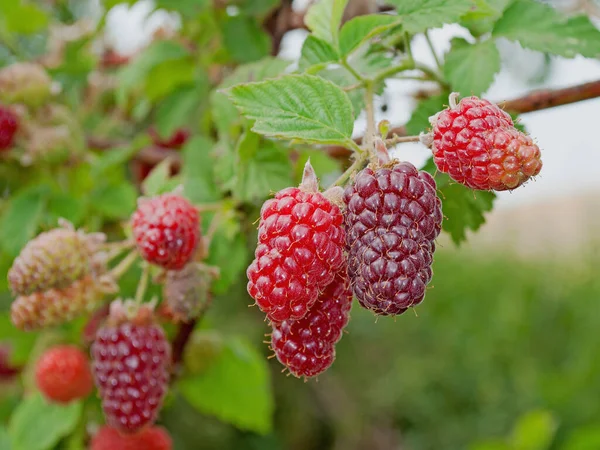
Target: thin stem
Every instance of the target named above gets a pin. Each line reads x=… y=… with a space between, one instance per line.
x=143 y=284
x=114 y=249
x=351 y=69
x=369 y=97
x=353 y=87
x=433 y=52
x=407 y=47
x=400 y=139
x=357 y=165
x=432 y=73
x=118 y=271
x=208 y=207
x=407 y=64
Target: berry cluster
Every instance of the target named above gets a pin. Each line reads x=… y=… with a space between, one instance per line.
x=477 y=144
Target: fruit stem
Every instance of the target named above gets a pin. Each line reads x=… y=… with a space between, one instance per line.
x=143 y=284
x=351 y=69
x=118 y=271
x=358 y=164
x=114 y=249
x=432 y=49
x=369 y=97
x=395 y=139
x=208 y=207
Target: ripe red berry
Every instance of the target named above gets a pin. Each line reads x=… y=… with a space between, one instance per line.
x=300 y=248
x=393 y=216
x=63 y=374
x=476 y=143
x=151 y=438
x=307 y=346
x=175 y=141
x=9 y=124
x=130 y=361
x=166 y=229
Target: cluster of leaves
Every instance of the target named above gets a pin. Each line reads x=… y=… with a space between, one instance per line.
x=198 y=79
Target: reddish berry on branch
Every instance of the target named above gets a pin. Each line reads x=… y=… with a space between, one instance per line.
x=63 y=374
x=151 y=438
x=166 y=229
x=393 y=216
x=130 y=360
x=55 y=259
x=476 y=143
x=300 y=248
x=307 y=346
x=9 y=124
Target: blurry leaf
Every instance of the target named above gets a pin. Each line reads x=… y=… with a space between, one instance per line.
x=267 y=169
x=38 y=425
x=158 y=180
x=197 y=170
x=115 y=201
x=134 y=74
x=419 y=15
x=302 y=107
x=19 y=16
x=257 y=7
x=245 y=40
x=176 y=110
x=358 y=30
x=235 y=388
x=166 y=77
x=324 y=19
x=471 y=68
x=419 y=120
x=534 y=431
x=187 y=8
x=462 y=207
x=4 y=438
x=540 y=27
x=66 y=206
x=230 y=254
x=21 y=342
x=247 y=146
x=316 y=51
x=490 y=445
x=256 y=71
x=583 y=438
x=20 y=221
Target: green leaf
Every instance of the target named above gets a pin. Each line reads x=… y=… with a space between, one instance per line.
x=21 y=219
x=257 y=7
x=230 y=254
x=342 y=78
x=235 y=388
x=316 y=51
x=197 y=170
x=583 y=438
x=261 y=169
x=358 y=30
x=165 y=78
x=462 y=207
x=21 y=342
x=324 y=19
x=482 y=17
x=175 y=111
x=158 y=180
x=540 y=27
x=419 y=120
x=490 y=445
x=4 y=439
x=245 y=40
x=39 y=425
x=471 y=68
x=256 y=71
x=66 y=206
x=534 y=431
x=302 y=107
x=187 y=8
x=115 y=201
x=419 y=15
x=22 y=17
x=134 y=74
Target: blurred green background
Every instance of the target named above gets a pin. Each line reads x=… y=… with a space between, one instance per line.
x=503 y=354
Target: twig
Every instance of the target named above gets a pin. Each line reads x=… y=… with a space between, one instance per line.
x=143 y=284
x=433 y=52
x=395 y=139
x=118 y=271
x=357 y=165
x=369 y=98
